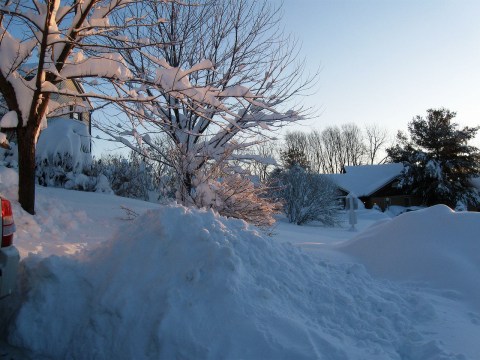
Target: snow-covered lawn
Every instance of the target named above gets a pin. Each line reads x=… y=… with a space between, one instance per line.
x=178 y=283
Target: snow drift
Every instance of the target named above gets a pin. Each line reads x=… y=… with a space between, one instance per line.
x=435 y=246
x=179 y=283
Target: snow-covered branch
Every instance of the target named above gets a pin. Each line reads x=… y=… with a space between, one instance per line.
x=43 y=44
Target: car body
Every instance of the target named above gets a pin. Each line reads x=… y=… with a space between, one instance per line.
x=9 y=256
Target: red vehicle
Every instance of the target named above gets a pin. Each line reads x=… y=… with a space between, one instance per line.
x=9 y=257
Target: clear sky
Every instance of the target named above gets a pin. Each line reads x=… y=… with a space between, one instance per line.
x=385 y=61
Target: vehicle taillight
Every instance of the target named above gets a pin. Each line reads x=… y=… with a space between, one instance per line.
x=8 y=225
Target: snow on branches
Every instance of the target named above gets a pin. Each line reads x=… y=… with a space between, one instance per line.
x=208 y=82
x=44 y=44
x=217 y=86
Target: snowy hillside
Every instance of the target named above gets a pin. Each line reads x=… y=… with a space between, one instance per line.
x=177 y=283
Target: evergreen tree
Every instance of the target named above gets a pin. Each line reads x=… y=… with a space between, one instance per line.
x=294 y=156
x=439 y=162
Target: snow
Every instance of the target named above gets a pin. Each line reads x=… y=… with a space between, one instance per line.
x=448 y=258
x=13 y=51
x=23 y=90
x=475 y=182
x=363 y=180
x=9 y=120
x=237 y=91
x=175 y=81
x=49 y=87
x=181 y=283
x=108 y=66
x=62 y=137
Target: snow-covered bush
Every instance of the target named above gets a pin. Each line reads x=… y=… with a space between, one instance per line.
x=128 y=177
x=234 y=195
x=460 y=206
x=307 y=196
x=63 y=157
x=9 y=157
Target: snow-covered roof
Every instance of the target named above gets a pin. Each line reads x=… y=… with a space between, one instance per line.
x=364 y=180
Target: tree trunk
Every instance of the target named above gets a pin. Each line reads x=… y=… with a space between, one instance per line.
x=184 y=195
x=26 y=168
x=187 y=182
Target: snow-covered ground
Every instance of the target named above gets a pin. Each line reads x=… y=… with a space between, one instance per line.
x=177 y=283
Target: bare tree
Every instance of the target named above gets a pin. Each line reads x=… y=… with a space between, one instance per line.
x=376 y=138
x=261 y=159
x=334 y=156
x=221 y=109
x=352 y=144
x=45 y=42
x=330 y=150
x=316 y=153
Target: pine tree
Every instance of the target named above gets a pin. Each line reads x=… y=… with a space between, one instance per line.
x=439 y=162
x=294 y=156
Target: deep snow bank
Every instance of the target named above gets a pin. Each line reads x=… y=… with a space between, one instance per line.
x=435 y=245
x=185 y=284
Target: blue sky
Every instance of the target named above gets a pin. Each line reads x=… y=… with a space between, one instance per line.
x=385 y=61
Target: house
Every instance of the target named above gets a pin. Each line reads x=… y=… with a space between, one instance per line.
x=374 y=185
x=66 y=141
x=72 y=107
x=68 y=106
